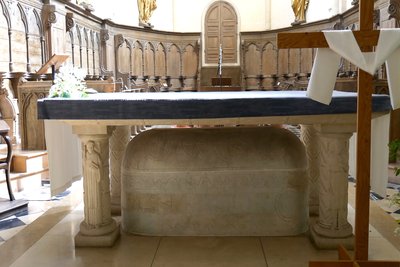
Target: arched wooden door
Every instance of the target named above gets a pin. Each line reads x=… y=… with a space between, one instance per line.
x=220 y=28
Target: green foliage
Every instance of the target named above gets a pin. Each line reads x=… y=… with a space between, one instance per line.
x=394 y=146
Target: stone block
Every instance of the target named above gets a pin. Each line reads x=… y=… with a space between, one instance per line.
x=238 y=181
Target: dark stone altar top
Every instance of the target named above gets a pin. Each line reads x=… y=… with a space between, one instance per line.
x=199 y=105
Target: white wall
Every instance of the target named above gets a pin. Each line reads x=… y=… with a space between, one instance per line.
x=281 y=14
x=187 y=15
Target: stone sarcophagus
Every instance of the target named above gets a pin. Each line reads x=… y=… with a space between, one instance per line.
x=215 y=181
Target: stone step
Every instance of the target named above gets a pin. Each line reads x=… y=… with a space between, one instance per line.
x=25 y=161
x=28 y=170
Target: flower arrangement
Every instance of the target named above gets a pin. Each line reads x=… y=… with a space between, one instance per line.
x=69 y=82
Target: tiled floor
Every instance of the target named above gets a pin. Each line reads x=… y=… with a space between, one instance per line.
x=48 y=241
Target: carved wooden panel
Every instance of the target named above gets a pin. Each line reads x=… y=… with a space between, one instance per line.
x=149 y=60
x=221 y=28
x=269 y=60
x=252 y=60
x=306 y=60
x=31 y=129
x=174 y=67
x=174 y=61
x=294 y=60
x=160 y=64
x=228 y=33
x=123 y=57
x=212 y=34
x=137 y=59
x=283 y=61
x=190 y=61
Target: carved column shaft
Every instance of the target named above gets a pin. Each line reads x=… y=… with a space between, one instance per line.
x=98 y=227
x=332 y=226
x=333 y=185
x=309 y=138
x=118 y=142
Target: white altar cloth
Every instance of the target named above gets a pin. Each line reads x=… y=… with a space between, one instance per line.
x=64 y=153
x=343 y=44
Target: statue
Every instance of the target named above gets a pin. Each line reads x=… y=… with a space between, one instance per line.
x=146 y=8
x=299 y=9
x=92 y=185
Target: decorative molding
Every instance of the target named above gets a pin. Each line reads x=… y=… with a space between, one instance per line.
x=394 y=11
x=118 y=40
x=69 y=21
x=104 y=35
x=49 y=15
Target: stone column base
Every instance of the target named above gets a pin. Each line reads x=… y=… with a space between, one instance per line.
x=324 y=242
x=106 y=240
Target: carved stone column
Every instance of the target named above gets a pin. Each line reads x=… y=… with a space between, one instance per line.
x=98 y=229
x=118 y=142
x=310 y=140
x=332 y=227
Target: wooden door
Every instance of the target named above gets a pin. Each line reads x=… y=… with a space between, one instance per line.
x=220 y=28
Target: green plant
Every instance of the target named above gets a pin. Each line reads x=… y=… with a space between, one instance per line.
x=395 y=200
x=394 y=147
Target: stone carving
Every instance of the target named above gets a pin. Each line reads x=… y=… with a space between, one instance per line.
x=118 y=40
x=118 y=141
x=104 y=35
x=92 y=185
x=98 y=227
x=51 y=18
x=207 y=187
x=394 y=11
x=69 y=21
x=332 y=220
x=309 y=138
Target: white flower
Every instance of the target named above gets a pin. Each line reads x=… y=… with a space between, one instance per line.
x=69 y=82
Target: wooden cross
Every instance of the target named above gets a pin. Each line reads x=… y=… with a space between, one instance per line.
x=366 y=38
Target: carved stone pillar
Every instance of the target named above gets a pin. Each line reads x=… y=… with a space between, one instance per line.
x=332 y=227
x=309 y=138
x=98 y=229
x=118 y=142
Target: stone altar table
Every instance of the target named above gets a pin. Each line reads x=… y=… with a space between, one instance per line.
x=327 y=132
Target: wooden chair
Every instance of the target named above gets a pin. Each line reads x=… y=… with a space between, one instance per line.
x=5 y=163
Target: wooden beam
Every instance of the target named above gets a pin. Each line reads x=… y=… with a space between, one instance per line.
x=317 y=39
x=379 y=263
x=363 y=172
x=343 y=254
x=331 y=264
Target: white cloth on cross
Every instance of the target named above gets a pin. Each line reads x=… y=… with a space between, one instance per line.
x=343 y=44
